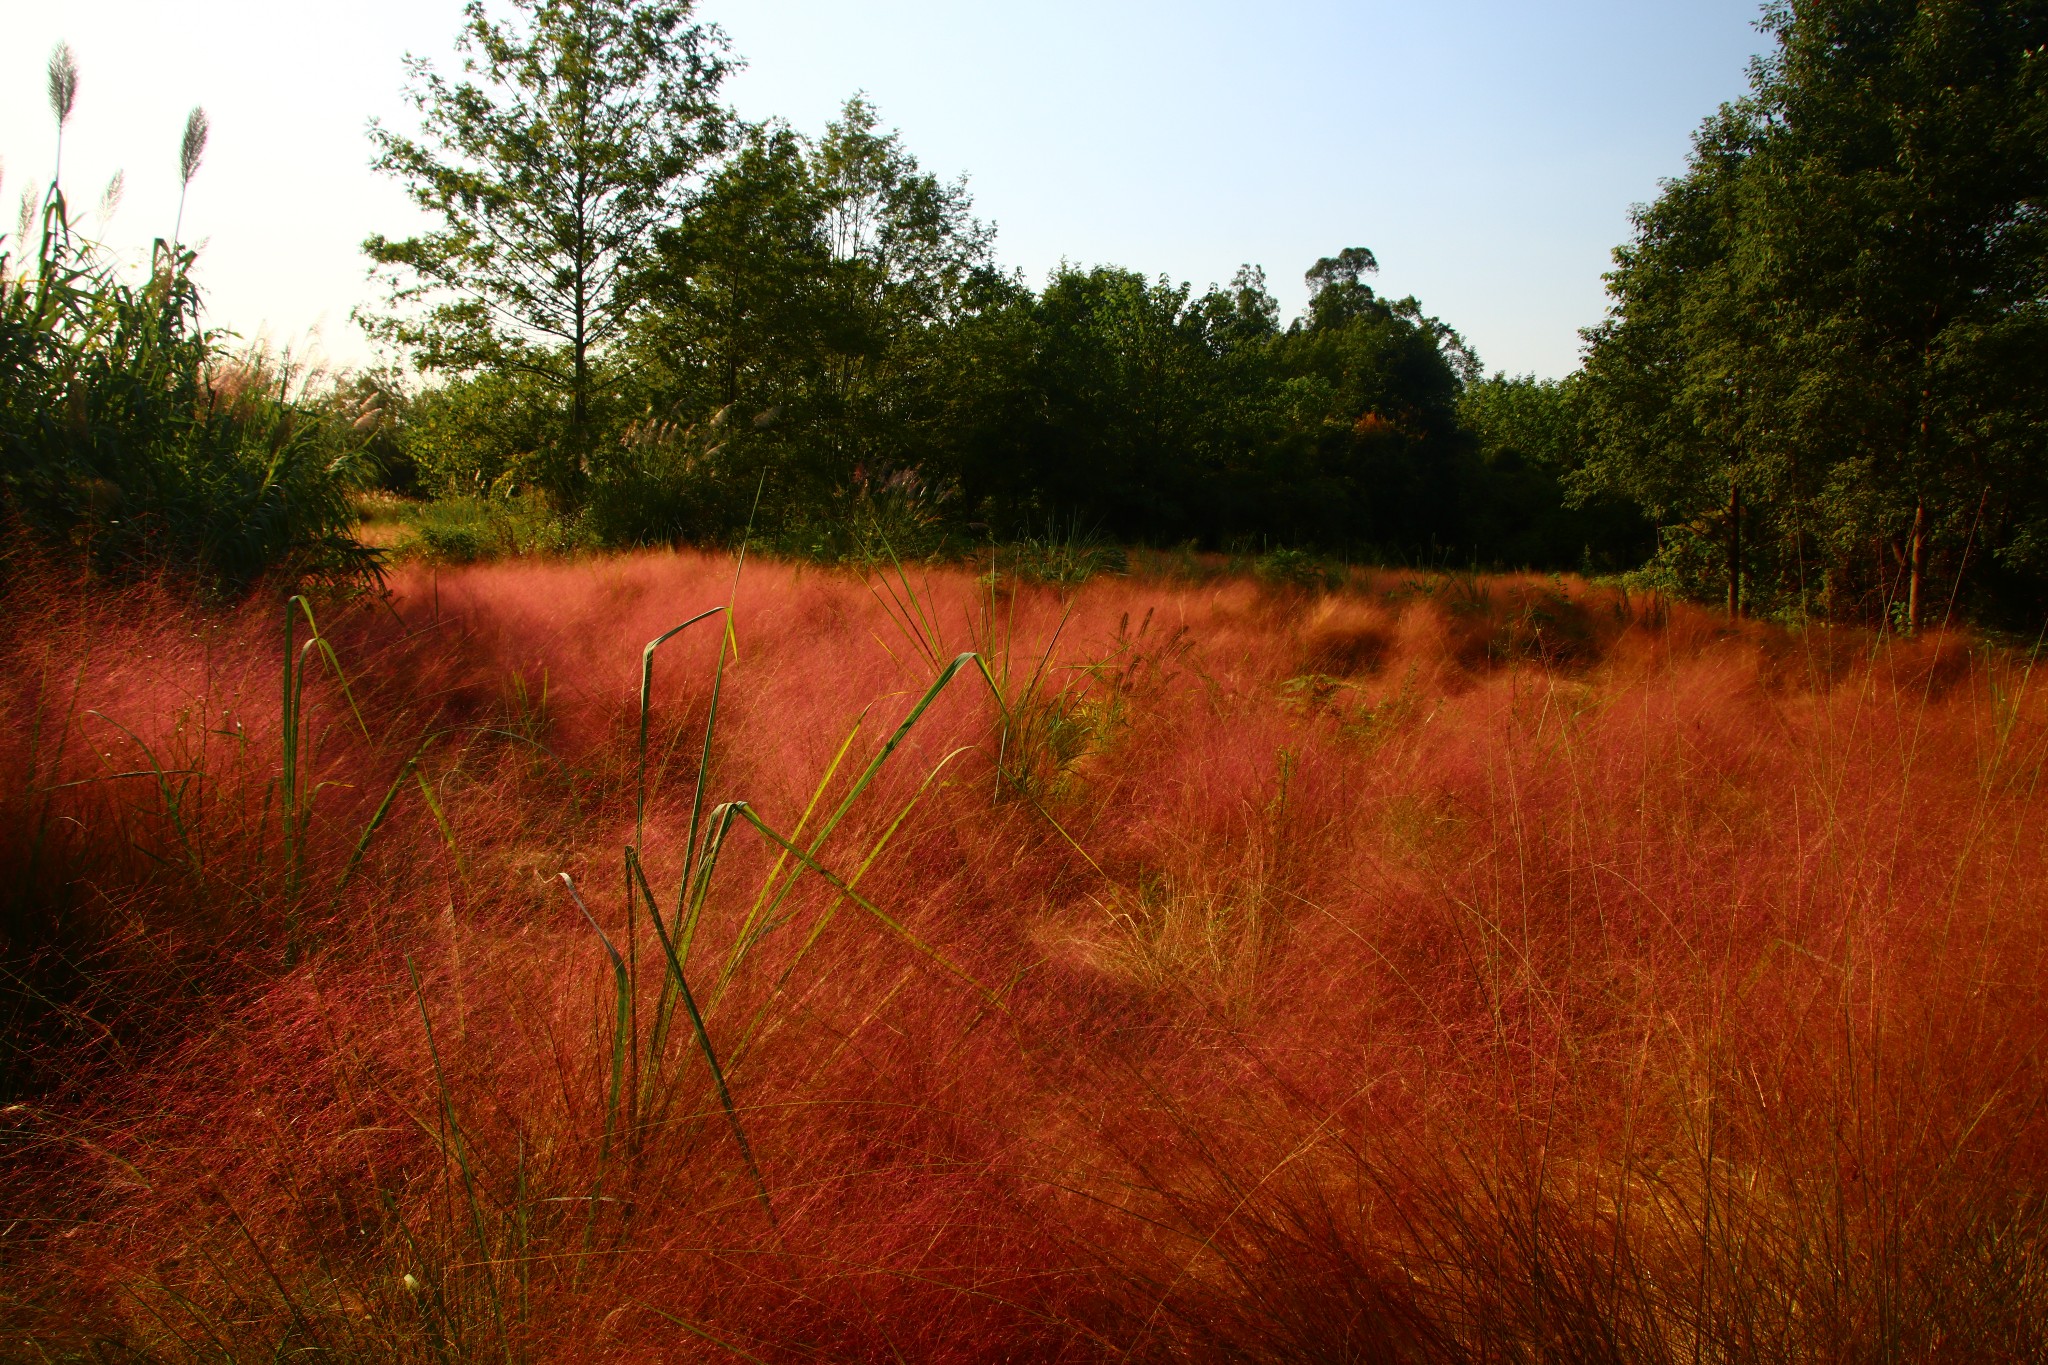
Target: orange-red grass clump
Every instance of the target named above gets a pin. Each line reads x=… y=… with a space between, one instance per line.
x=1438 y=969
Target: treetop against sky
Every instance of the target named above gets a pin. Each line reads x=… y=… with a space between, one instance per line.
x=1487 y=151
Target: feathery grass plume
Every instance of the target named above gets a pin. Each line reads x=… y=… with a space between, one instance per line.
x=194 y=145
x=190 y=151
x=369 y=413
x=110 y=198
x=63 y=92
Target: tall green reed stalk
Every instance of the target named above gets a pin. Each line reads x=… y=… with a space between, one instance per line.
x=646 y=1072
x=295 y=797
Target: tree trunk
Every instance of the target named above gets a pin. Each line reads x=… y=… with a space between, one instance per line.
x=1734 y=550
x=579 y=403
x=1923 y=444
x=1918 y=568
x=579 y=397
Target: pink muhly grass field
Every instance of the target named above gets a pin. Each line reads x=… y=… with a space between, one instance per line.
x=1440 y=969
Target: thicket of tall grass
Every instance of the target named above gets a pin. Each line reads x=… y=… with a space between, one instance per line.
x=136 y=437
x=946 y=969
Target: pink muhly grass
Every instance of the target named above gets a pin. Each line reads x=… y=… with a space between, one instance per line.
x=1436 y=969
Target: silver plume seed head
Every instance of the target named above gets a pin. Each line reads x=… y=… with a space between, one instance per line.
x=63 y=82
x=194 y=146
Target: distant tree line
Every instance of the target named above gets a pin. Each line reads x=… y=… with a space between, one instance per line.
x=654 y=315
x=1819 y=389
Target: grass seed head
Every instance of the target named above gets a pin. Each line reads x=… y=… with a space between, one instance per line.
x=193 y=146
x=63 y=75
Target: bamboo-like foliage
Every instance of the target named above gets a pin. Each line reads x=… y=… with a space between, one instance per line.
x=130 y=432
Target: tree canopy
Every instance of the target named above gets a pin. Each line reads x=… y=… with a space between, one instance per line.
x=1818 y=388
x=549 y=173
x=1821 y=373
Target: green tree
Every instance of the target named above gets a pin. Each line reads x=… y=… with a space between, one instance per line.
x=905 y=247
x=737 y=297
x=1835 y=316
x=1123 y=375
x=1367 y=388
x=1141 y=408
x=736 y=286
x=1527 y=434
x=572 y=137
x=813 y=287
x=1675 y=378
x=1903 y=172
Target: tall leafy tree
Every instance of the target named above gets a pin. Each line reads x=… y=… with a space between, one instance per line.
x=814 y=284
x=905 y=246
x=1903 y=179
x=1677 y=373
x=736 y=287
x=825 y=313
x=1124 y=374
x=1835 y=317
x=738 y=322
x=571 y=136
x=1369 y=389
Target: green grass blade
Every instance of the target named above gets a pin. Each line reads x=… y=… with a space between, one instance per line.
x=808 y=858
x=803 y=821
x=377 y=819
x=333 y=660
x=172 y=800
x=682 y=987
x=476 y=1211
x=831 y=911
x=881 y=916
x=440 y=819
x=646 y=709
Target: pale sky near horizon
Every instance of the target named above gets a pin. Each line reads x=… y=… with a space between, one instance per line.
x=1486 y=151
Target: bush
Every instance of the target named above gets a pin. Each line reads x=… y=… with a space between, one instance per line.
x=465 y=530
x=133 y=436
x=481 y=435
x=1065 y=557
x=1290 y=568
x=659 y=486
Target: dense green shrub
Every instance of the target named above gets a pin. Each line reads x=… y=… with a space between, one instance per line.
x=129 y=434
x=488 y=434
x=1820 y=374
x=1528 y=443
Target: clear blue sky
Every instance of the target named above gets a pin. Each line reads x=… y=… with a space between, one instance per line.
x=1487 y=151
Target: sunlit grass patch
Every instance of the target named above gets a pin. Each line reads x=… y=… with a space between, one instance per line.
x=964 y=967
